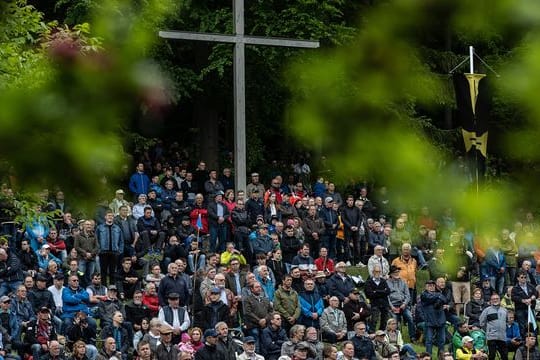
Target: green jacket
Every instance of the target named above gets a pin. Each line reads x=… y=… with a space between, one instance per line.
x=287 y=303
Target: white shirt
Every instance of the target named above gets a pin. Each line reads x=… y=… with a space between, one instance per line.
x=57 y=295
x=183 y=326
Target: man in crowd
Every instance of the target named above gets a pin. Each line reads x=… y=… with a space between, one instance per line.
x=333 y=322
x=377 y=292
x=111 y=242
x=175 y=316
x=256 y=308
x=400 y=300
x=493 y=321
x=273 y=337
x=249 y=350
x=433 y=305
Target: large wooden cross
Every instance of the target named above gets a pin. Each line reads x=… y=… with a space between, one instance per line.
x=239 y=39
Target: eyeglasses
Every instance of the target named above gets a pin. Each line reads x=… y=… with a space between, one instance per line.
x=363 y=328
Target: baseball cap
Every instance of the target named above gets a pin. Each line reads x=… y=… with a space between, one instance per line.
x=467 y=339
x=4 y=299
x=173 y=295
x=215 y=290
x=249 y=340
x=59 y=277
x=328 y=199
x=210 y=333
x=380 y=333
x=119 y=191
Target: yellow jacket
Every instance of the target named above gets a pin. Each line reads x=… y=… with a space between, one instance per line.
x=227 y=256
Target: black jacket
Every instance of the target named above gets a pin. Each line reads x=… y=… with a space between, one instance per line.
x=352 y=307
x=377 y=294
x=289 y=248
x=76 y=332
x=28 y=260
x=108 y=331
x=11 y=269
x=229 y=349
x=518 y=295
x=42 y=297
x=207 y=352
x=32 y=331
x=170 y=285
x=212 y=213
x=363 y=348
x=214 y=313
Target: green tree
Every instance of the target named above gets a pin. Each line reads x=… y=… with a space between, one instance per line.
x=202 y=73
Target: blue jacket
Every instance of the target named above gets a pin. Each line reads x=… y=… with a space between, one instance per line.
x=271 y=342
x=329 y=217
x=167 y=197
x=512 y=332
x=340 y=287
x=104 y=240
x=23 y=310
x=268 y=287
x=139 y=183
x=38 y=227
x=432 y=303
x=493 y=262
x=319 y=189
x=43 y=263
x=74 y=301
x=14 y=325
x=262 y=245
x=310 y=302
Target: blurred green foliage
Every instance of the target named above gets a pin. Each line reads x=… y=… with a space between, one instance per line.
x=373 y=100
x=68 y=92
x=369 y=103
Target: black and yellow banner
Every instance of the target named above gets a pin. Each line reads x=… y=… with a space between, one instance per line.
x=473 y=105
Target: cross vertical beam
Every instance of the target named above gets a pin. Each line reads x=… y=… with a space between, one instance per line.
x=239 y=70
x=239 y=39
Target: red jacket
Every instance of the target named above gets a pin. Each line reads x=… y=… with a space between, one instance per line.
x=319 y=262
x=152 y=302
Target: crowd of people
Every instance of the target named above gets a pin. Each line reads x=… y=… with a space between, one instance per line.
x=182 y=265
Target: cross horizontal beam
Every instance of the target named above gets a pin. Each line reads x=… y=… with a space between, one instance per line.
x=239 y=39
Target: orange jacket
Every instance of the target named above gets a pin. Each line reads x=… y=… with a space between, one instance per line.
x=408 y=270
